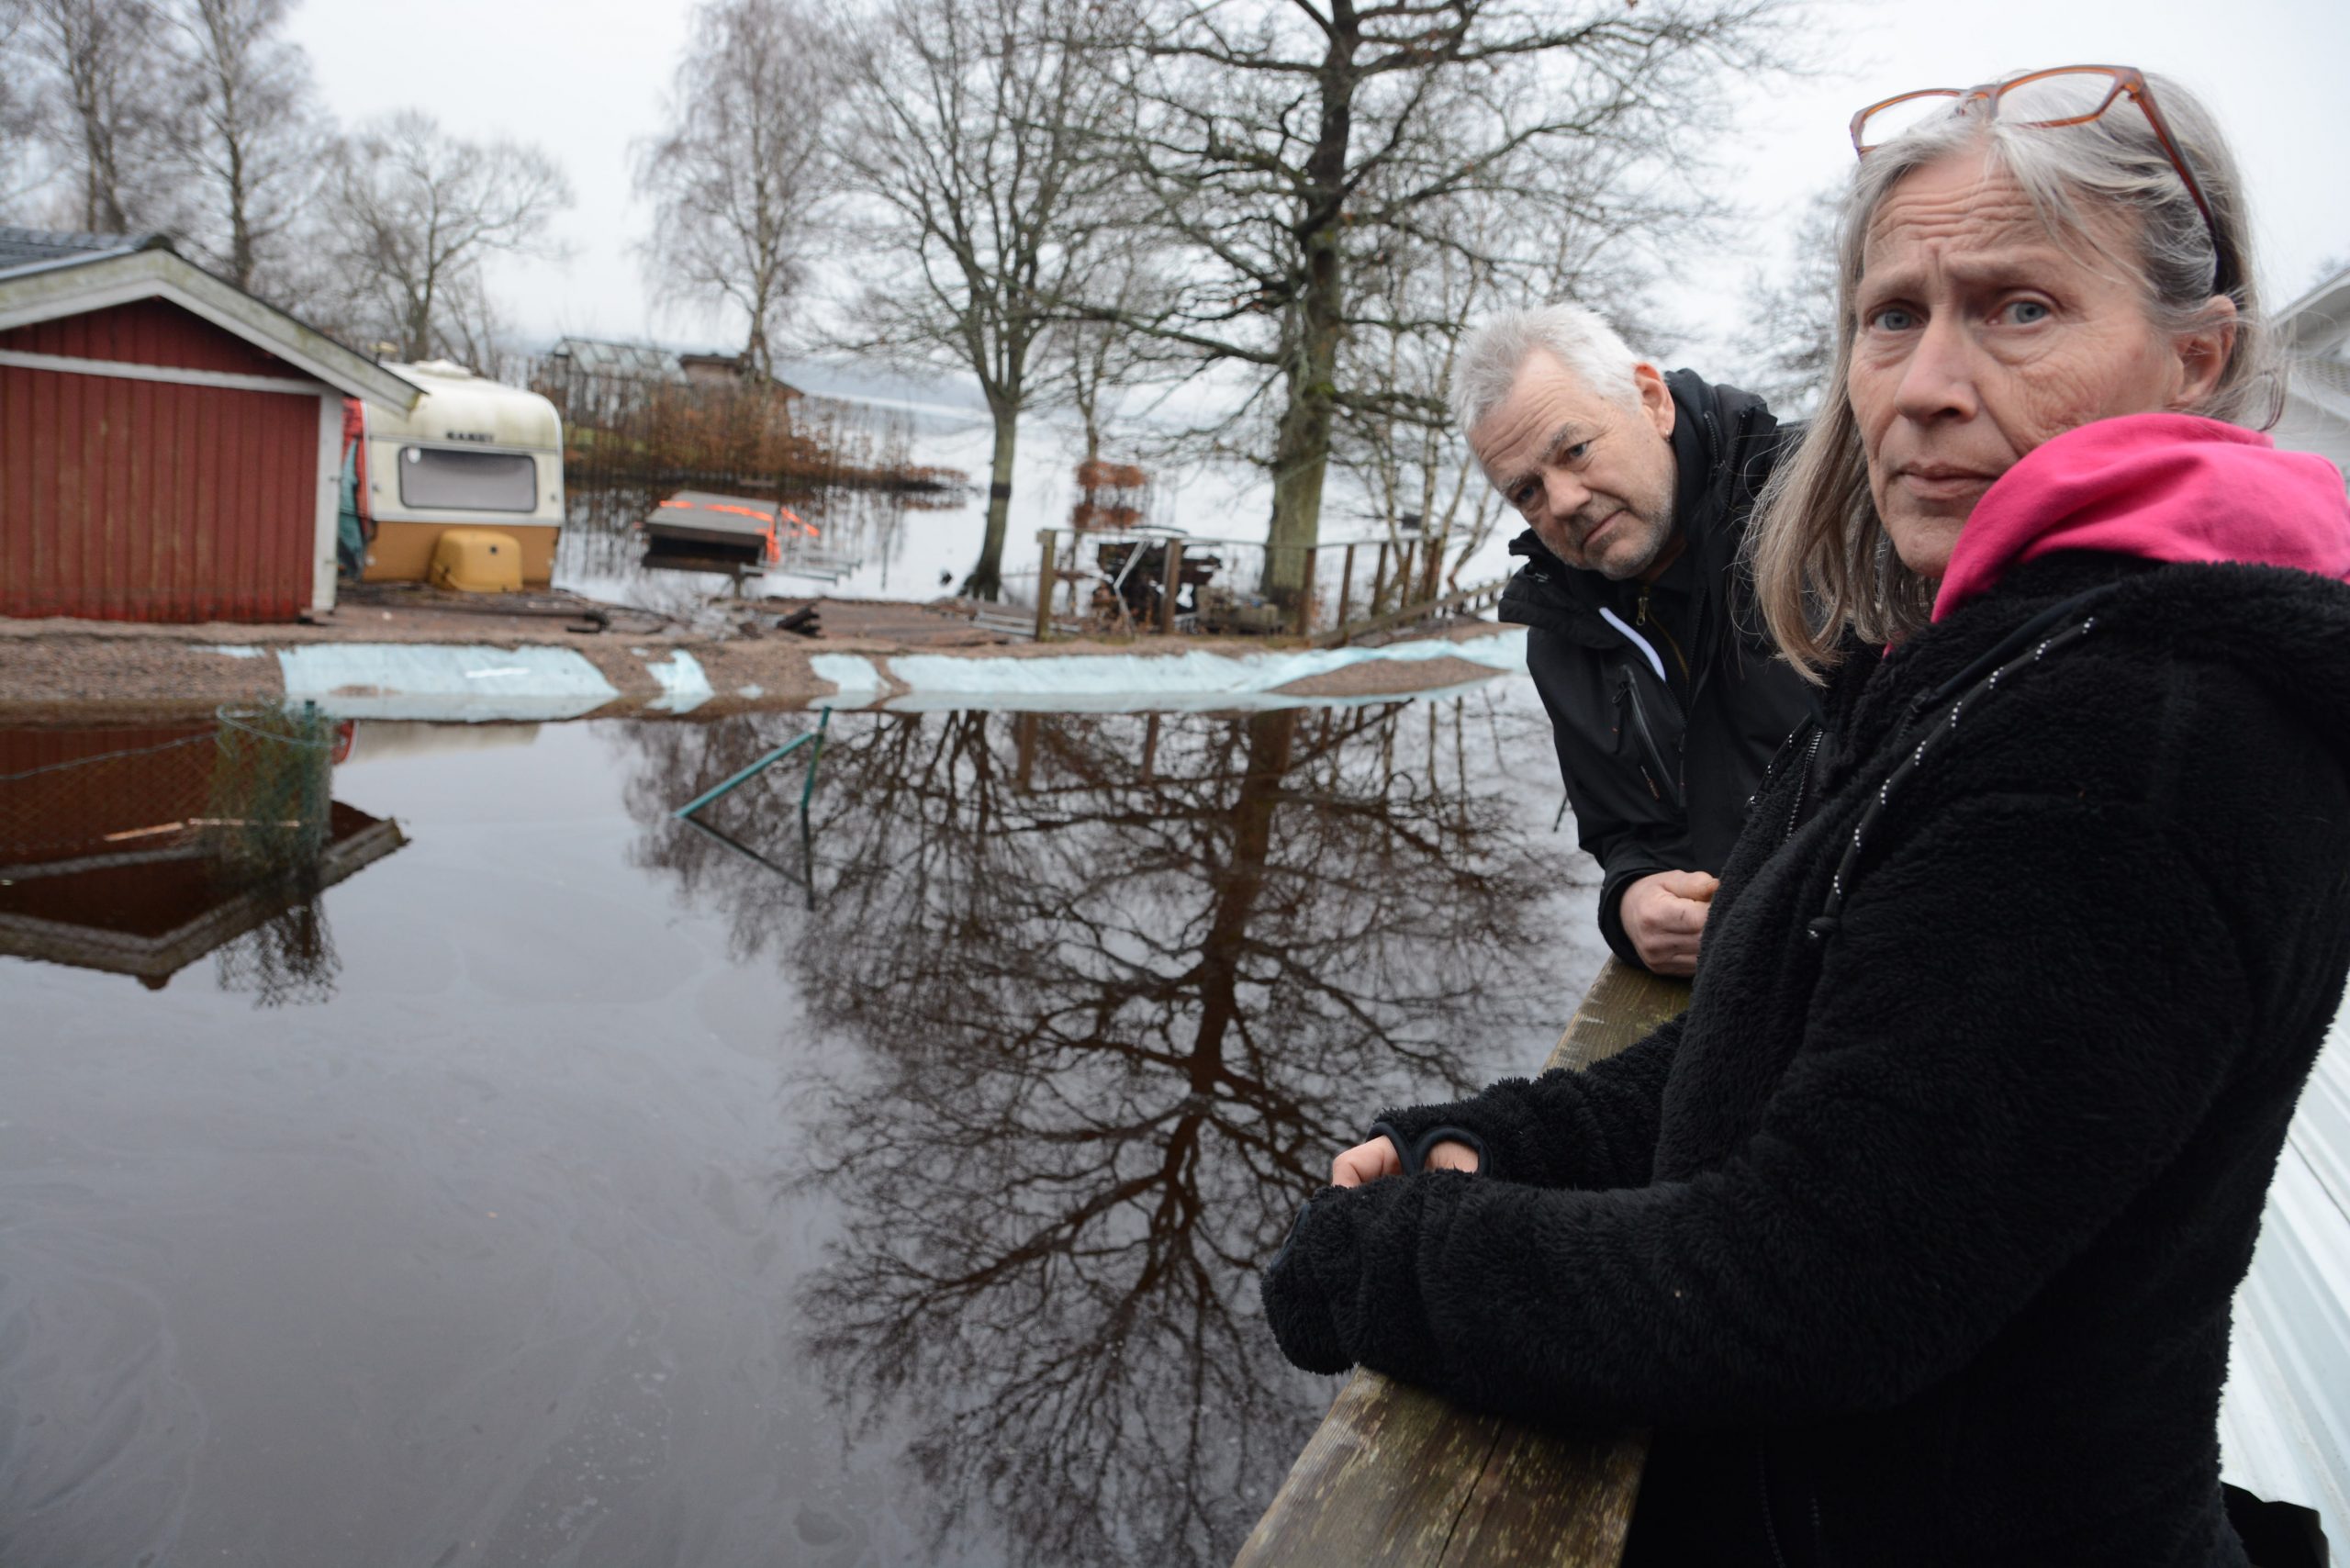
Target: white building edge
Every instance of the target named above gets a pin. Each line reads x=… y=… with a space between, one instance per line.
x=2313 y=336
x=2285 y=1421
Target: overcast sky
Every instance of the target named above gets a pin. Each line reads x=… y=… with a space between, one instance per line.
x=585 y=79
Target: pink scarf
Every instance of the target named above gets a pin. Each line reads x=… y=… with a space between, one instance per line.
x=2160 y=487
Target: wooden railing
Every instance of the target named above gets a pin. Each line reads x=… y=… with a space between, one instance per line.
x=1343 y=590
x=1468 y=600
x=1397 y=1478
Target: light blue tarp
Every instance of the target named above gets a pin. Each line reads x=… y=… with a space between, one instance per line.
x=460 y=683
x=1199 y=679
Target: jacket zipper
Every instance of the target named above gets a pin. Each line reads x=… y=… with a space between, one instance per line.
x=1770 y=1525
x=1640 y=618
x=1633 y=717
x=1803 y=782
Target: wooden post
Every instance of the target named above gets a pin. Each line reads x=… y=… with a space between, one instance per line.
x=1404 y=580
x=1434 y=569
x=1149 y=747
x=1396 y=1478
x=1170 y=583
x=1305 y=592
x=1379 y=579
x=1050 y=539
x=1346 y=590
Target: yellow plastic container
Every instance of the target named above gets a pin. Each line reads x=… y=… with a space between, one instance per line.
x=477 y=560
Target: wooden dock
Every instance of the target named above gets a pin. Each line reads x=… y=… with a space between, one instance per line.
x=1395 y=1477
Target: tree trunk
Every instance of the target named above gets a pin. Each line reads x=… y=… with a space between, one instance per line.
x=759 y=360
x=1240 y=888
x=1301 y=440
x=986 y=580
x=415 y=333
x=1088 y=402
x=1301 y=460
x=241 y=229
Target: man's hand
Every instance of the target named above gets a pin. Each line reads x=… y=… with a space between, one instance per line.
x=1370 y=1161
x=1665 y=915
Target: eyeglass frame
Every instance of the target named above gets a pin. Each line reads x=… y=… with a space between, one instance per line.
x=2126 y=79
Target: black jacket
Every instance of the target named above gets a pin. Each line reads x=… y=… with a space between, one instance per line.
x=1916 y=1236
x=1659 y=783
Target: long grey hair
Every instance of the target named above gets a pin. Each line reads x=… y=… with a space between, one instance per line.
x=1822 y=561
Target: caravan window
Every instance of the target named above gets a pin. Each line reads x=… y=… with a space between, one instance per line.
x=468 y=481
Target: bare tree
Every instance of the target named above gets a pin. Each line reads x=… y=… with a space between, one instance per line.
x=246 y=132
x=22 y=168
x=412 y=214
x=1788 y=340
x=974 y=133
x=738 y=176
x=1094 y=361
x=1416 y=471
x=1289 y=146
x=105 y=77
x=1117 y=983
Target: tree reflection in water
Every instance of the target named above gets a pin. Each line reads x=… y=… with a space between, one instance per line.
x=1119 y=986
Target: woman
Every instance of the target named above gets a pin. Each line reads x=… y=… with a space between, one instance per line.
x=1915 y=1238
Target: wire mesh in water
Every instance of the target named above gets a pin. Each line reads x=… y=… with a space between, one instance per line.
x=271 y=795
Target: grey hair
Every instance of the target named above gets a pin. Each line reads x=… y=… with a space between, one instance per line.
x=1499 y=349
x=1822 y=561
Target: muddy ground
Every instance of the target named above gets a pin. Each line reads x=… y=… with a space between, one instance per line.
x=134 y=671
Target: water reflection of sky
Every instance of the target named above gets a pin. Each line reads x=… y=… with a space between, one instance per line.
x=891 y=1195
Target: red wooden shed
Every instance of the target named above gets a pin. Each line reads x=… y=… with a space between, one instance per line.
x=169 y=445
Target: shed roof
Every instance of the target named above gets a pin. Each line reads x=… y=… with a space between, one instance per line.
x=24 y=248
x=2314 y=334
x=45 y=275
x=2318 y=323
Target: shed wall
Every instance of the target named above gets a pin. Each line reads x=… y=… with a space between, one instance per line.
x=63 y=793
x=144 y=501
x=147 y=331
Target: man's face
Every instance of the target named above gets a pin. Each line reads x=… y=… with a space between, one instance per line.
x=1594 y=476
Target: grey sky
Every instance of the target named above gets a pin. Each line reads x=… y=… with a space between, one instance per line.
x=587 y=78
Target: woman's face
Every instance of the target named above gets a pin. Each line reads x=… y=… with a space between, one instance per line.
x=1980 y=336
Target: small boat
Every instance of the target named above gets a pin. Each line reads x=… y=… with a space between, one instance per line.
x=695 y=530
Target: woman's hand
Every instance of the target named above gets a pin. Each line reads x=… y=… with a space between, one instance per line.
x=1370 y=1161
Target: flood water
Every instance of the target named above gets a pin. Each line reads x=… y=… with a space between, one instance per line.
x=538 y=1179
x=918 y=546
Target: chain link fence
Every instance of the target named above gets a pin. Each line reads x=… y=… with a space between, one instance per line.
x=141 y=850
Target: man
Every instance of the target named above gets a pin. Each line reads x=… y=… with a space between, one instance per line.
x=1664 y=703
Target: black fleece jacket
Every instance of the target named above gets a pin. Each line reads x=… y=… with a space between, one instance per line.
x=1915 y=1237
x=1659 y=766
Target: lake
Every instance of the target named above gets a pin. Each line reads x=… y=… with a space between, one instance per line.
x=530 y=1177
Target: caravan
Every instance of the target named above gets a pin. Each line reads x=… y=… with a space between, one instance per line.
x=473 y=458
